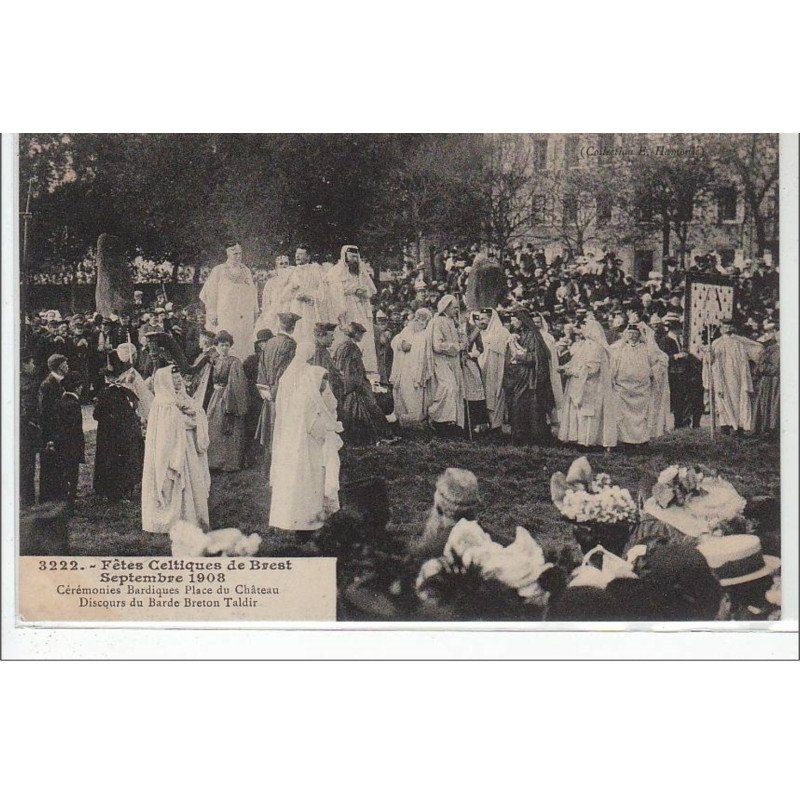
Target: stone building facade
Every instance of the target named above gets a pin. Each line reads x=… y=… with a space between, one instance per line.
x=581 y=200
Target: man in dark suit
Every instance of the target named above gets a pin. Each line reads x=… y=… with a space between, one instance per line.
x=68 y=440
x=50 y=392
x=677 y=371
x=28 y=428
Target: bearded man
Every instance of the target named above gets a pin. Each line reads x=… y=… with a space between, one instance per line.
x=231 y=301
x=350 y=293
x=305 y=294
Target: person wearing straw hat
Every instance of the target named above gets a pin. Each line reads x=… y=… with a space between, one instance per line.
x=744 y=572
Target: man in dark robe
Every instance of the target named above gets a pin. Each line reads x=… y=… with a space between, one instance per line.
x=200 y=383
x=323 y=339
x=362 y=418
x=669 y=342
x=28 y=429
x=275 y=357
x=120 y=448
x=68 y=440
x=250 y=367
x=526 y=382
x=50 y=392
x=383 y=346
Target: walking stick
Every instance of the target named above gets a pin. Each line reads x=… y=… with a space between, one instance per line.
x=461 y=364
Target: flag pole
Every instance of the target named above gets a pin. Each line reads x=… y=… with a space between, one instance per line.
x=711 y=398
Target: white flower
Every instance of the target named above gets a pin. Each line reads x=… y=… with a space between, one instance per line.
x=465 y=534
x=668 y=475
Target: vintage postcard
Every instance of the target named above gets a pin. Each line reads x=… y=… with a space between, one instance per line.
x=526 y=379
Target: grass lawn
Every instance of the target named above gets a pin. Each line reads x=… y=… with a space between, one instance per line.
x=514 y=483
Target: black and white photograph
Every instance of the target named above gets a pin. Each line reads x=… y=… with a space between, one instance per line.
x=523 y=377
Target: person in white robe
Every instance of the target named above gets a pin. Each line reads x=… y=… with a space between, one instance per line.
x=305 y=454
x=555 y=375
x=731 y=356
x=660 y=419
x=495 y=337
x=231 y=301
x=588 y=415
x=350 y=293
x=409 y=349
x=305 y=293
x=272 y=294
x=632 y=378
x=175 y=480
x=442 y=373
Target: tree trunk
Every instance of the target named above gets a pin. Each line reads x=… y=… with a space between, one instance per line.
x=761 y=233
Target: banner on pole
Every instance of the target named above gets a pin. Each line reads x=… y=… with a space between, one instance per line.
x=709 y=299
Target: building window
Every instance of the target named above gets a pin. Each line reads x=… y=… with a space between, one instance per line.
x=539 y=209
x=604 y=206
x=642 y=264
x=570 y=208
x=540 y=154
x=726 y=203
x=571 y=150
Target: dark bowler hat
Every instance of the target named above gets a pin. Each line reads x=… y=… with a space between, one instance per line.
x=321 y=328
x=264 y=335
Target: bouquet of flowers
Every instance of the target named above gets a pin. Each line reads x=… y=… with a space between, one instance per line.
x=676 y=485
x=581 y=496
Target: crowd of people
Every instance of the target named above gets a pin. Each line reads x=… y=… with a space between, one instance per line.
x=574 y=351
x=681 y=564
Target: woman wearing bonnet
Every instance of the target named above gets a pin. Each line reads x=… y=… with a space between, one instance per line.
x=175 y=481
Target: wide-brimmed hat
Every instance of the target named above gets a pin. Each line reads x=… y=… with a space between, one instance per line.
x=720 y=502
x=737 y=559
